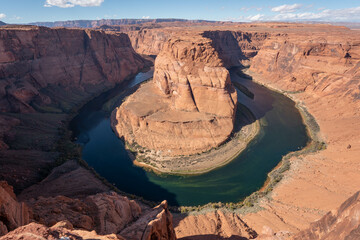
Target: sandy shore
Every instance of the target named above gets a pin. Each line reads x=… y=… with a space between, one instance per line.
x=248 y=127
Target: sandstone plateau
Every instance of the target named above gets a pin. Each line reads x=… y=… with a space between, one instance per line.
x=188 y=108
x=46 y=73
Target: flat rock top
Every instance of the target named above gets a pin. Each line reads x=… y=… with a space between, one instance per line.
x=148 y=101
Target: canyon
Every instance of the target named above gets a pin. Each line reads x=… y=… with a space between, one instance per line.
x=44 y=80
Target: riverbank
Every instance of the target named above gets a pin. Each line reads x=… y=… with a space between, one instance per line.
x=246 y=129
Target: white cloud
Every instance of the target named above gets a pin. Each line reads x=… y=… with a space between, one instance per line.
x=145 y=17
x=346 y=14
x=2 y=15
x=256 y=17
x=286 y=8
x=73 y=3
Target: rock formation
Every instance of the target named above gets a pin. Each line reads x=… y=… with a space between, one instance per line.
x=188 y=108
x=149 y=41
x=104 y=212
x=61 y=230
x=323 y=62
x=342 y=223
x=155 y=224
x=35 y=61
x=213 y=225
x=13 y=214
x=49 y=73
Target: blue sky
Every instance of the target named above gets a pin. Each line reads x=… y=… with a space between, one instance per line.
x=25 y=11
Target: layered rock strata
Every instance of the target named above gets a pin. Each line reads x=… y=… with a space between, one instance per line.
x=188 y=108
x=342 y=223
x=33 y=60
x=44 y=75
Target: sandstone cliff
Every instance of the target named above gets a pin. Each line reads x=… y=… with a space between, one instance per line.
x=13 y=214
x=236 y=48
x=46 y=73
x=189 y=107
x=149 y=41
x=322 y=62
x=342 y=223
x=36 y=61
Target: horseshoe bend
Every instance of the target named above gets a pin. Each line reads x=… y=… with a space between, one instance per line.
x=268 y=108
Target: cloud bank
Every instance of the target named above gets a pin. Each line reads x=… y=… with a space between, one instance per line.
x=73 y=3
x=297 y=12
x=286 y=8
x=2 y=15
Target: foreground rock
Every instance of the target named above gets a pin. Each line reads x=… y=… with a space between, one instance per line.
x=188 y=108
x=13 y=214
x=61 y=230
x=154 y=224
x=342 y=223
x=213 y=225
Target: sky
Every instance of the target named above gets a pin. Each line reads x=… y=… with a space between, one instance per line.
x=27 y=11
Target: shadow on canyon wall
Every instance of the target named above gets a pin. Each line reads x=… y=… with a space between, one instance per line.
x=91 y=129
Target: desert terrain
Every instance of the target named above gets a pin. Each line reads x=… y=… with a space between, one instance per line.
x=47 y=183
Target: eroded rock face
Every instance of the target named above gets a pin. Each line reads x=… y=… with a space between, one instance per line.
x=154 y=224
x=188 y=108
x=321 y=62
x=12 y=213
x=236 y=48
x=149 y=41
x=112 y=211
x=36 y=63
x=213 y=225
x=106 y=212
x=342 y=223
x=62 y=230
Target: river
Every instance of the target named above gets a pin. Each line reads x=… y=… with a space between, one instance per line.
x=282 y=131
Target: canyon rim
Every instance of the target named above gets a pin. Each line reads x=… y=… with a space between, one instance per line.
x=190 y=118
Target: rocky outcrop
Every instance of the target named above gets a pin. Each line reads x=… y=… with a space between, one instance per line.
x=321 y=62
x=61 y=230
x=188 y=108
x=112 y=211
x=105 y=212
x=149 y=41
x=155 y=224
x=69 y=179
x=13 y=214
x=213 y=225
x=236 y=48
x=342 y=223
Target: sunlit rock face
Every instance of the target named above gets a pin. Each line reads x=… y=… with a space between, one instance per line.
x=188 y=108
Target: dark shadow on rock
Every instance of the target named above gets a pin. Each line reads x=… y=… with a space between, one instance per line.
x=261 y=100
x=212 y=237
x=106 y=153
